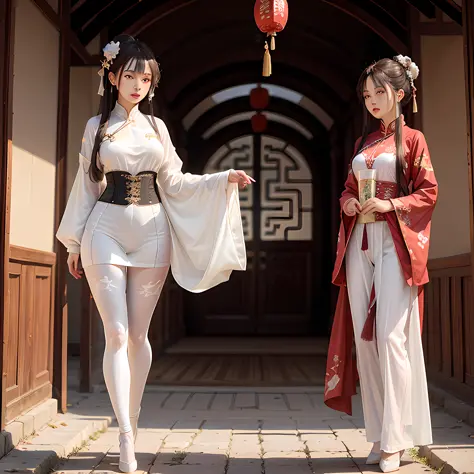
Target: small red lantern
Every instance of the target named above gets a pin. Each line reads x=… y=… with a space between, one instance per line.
x=271 y=17
x=259 y=122
x=259 y=98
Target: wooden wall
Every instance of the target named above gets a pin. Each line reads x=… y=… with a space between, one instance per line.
x=448 y=332
x=28 y=330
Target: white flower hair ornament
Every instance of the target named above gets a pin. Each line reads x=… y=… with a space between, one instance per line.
x=412 y=72
x=111 y=51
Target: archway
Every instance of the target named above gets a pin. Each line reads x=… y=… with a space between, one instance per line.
x=283 y=225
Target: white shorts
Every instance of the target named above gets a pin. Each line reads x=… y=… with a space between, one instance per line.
x=133 y=236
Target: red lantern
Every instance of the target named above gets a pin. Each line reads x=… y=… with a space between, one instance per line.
x=259 y=123
x=271 y=17
x=259 y=98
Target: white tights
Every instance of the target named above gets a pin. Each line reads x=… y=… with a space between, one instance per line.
x=126 y=299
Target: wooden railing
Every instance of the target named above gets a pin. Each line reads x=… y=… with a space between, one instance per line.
x=448 y=333
x=29 y=330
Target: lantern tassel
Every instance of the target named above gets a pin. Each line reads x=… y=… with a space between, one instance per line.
x=272 y=42
x=267 y=62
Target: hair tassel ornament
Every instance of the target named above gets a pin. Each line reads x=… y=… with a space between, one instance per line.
x=111 y=51
x=415 y=105
x=267 y=62
x=412 y=72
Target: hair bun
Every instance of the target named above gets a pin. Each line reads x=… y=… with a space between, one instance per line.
x=124 y=38
x=411 y=68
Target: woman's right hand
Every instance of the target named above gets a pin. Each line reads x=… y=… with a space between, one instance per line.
x=73 y=265
x=352 y=207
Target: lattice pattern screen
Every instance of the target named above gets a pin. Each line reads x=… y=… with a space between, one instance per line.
x=237 y=154
x=286 y=192
x=286 y=187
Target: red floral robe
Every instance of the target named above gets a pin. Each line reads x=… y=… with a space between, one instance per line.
x=409 y=224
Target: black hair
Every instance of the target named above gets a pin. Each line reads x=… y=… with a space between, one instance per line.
x=133 y=55
x=388 y=73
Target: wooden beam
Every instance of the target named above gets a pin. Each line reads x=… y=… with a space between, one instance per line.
x=81 y=51
x=423 y=6
x=55 y=20
x=388 y=12
x=77 y=5
x=415 y=42
x=157 y=14
x=468 y=33
x=440 y=29
x=61 y=313
x=48 y=11
x=452 y=9
x=359 y=13
x=7 y=36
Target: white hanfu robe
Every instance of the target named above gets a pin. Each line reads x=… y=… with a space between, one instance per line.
x=197 y=227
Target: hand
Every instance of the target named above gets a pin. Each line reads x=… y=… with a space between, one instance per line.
x=241 y=178
x=73 y=265
x=376 y=205
x=353 y=207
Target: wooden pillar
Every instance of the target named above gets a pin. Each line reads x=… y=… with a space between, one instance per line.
x=7 y=36
x=415 y=47
x=61 y=314
x=468 y=33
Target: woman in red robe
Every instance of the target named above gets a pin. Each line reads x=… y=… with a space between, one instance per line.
x=381 y=268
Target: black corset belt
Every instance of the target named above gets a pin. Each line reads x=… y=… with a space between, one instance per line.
x=124 y=188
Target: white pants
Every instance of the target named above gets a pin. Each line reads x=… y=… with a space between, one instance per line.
x=391 y=367
x=126 y=299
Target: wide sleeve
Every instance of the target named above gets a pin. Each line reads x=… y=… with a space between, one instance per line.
x=84 y=194
x=414 y=212
x=205 y=222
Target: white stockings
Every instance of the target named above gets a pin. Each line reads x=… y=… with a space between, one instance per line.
x=126 y=299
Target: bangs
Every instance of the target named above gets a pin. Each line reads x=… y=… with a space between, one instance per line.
x=138 y=64
x=378 y=76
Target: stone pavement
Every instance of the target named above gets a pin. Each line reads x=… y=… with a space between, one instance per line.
x=209 y=432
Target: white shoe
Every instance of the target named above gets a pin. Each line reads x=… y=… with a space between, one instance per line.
x=373 y=458
x=127 y=462
x=390 y=464
x=375 y=455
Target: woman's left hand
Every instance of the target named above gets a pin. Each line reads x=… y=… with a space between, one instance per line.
x=376 y=205
x=240 y=177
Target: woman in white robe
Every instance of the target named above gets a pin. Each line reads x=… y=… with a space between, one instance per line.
x=132 y=214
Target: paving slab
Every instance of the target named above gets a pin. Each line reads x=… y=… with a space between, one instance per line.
x=203 y=432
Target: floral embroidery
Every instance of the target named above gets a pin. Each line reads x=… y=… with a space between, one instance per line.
x=402 y=212
x=423 y=161
x=151 y=289
x=422 y=240
x=107 y=283
x=386 y=190
x=335 y=379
